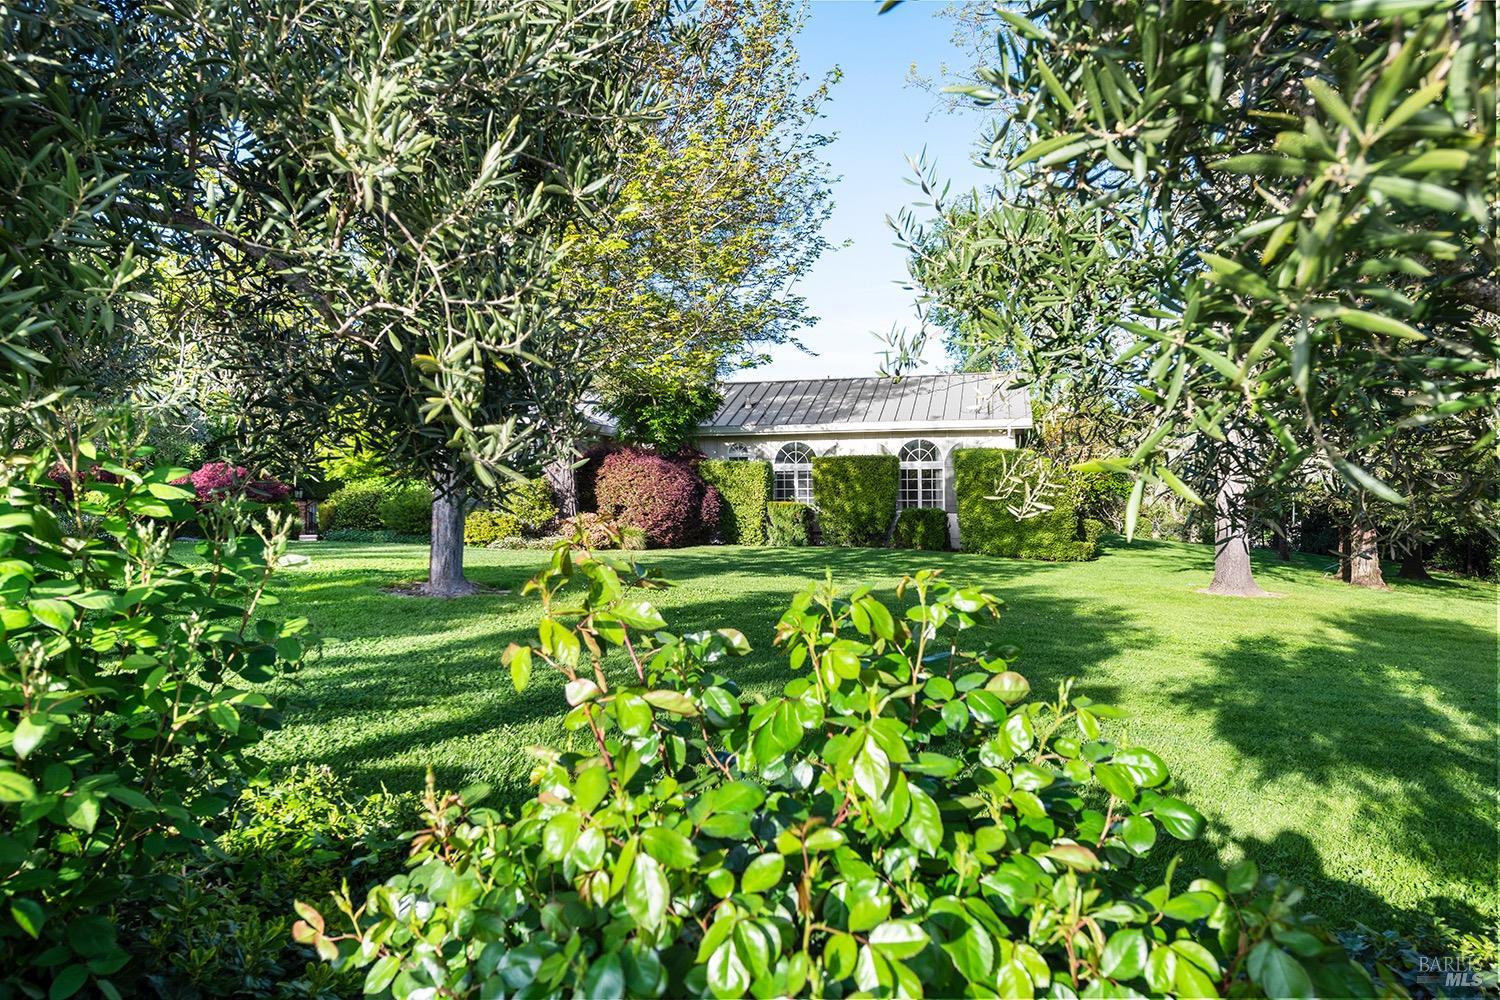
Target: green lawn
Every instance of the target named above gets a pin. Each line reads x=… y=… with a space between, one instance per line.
x=1344 y=738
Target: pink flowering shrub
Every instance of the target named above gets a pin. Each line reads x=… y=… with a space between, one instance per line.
x=664 y=498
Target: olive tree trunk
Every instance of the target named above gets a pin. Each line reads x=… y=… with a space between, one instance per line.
x=445 y=558
x=562 y=478
x=1232 y=574
x=1283 y=546
x=1362 y=557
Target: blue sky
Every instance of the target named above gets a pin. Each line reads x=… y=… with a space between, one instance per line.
x=880 y=120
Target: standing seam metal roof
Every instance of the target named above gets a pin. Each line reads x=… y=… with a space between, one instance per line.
x=921 y=399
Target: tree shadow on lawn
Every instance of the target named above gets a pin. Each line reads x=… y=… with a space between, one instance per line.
x=1396 y=710
x=358 y=710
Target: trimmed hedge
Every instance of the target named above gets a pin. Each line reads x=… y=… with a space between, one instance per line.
x=380 y=535
x=745 y=488
x=531 y=503
x=481 y=527
x=406 y=509
x=788 y=524
x=856 y=497
x=921 y=528
x=987 y=526
x=355 y=507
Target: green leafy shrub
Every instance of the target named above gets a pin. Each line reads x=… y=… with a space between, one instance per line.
x=1013 y=502
x=1102 y=496
x=856 y=497
x=220 y=924
x=633 y=539
x=406 y=508
x=531 y=503
x=746 y=489
x=126 y=706
x=921 y=528
x=355 y=506
x=893 y=823
x=788 y=524
x=481 y=527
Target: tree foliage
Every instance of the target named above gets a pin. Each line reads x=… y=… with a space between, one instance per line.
x=1286 y=206
x=720 y=205
x=665 y=418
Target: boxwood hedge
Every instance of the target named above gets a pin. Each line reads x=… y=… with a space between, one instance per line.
x=921 y=528
x=856 y=497
x=789 y=524
x=746 y=489
x=988 y=525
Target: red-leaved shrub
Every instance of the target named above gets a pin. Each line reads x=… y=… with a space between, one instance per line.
x=709 y=511
x=664 y=498
x=62 y=477
x=216 y=480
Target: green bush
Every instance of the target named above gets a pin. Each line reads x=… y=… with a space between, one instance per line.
x=856 y=497
x=890 y=824
x=532 y=505
x=633 y=539
x=221 y=924
x=481 y=527
x=1103 y=496
x=355 y=506
x=788 y=524
x=406 y=508
x=921 y=528
x=993 y=485
x=746 y=489
x=129 y=699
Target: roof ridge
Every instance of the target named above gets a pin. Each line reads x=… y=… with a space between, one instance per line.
x=858 y=378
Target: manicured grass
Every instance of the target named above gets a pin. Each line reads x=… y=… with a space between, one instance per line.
x=1345 y=739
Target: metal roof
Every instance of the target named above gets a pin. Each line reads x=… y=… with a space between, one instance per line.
x=966 y=400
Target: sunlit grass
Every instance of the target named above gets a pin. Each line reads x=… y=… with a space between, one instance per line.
x=1344 y=738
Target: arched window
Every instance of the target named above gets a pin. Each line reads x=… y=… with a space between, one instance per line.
x=793 y=468
x=921 y=475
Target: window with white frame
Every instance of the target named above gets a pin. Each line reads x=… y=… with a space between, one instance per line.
x=793 y=469
x=921 y=475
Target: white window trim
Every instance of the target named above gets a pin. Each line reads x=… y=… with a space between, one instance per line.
x=792 y=480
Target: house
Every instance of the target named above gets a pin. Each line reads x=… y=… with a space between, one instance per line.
x=920 y=419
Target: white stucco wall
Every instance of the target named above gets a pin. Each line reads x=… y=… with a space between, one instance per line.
x=853 y=442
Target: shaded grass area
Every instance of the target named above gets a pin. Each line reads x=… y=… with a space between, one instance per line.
x=1345 y=739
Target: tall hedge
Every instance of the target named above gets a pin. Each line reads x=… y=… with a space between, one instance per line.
x=745 y=488
x=988 y=526
x=856 y=497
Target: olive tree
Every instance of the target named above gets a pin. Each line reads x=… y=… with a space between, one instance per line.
x=387 y=191
x=1308 y=187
